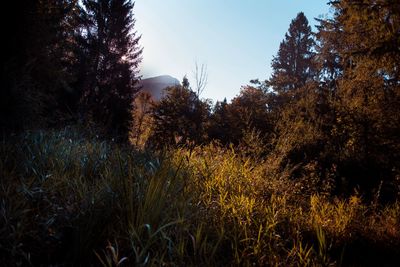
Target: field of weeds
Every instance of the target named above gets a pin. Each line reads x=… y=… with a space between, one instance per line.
x=66 y=200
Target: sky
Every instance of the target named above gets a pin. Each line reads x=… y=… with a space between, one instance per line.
x=235 y=39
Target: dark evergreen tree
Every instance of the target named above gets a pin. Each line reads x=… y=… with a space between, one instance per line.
x=219 y=126
x=179 y=118
x=328 y=59
x=298 y=107
x=36 y=62
x=293 y=66
x=111 y=60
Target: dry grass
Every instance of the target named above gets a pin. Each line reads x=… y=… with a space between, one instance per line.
x=67 y=200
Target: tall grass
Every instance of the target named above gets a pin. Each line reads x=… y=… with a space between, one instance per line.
x=66 y=200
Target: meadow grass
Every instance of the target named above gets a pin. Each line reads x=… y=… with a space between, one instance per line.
x=69 y=200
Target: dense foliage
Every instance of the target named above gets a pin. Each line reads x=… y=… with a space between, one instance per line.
x=302 y=169
x=332 y=101
x=70 y=61
x=179 y=117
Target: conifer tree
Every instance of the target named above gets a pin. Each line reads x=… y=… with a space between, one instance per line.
x=293 y=65
x=112 y=57
x=297 y=105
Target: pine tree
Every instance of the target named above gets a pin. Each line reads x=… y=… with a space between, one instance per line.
x=297 y=106
x=293 y=66
x=111 y=59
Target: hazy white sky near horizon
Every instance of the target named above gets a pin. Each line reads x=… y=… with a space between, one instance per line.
x=236 y=39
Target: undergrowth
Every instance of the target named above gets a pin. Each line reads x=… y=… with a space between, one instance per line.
x=66 y=200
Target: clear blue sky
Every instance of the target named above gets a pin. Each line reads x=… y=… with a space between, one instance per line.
x=236 y=39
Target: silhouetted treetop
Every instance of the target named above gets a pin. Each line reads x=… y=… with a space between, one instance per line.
x=293 y=65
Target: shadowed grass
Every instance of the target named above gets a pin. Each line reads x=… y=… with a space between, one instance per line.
x=66 y=200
